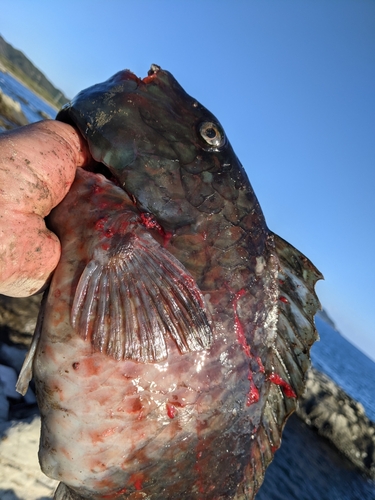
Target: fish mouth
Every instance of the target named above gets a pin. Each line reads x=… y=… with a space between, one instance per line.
x=152 y=73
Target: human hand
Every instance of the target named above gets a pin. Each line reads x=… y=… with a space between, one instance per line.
x=37 y=167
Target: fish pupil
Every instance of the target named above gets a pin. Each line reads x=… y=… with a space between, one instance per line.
x=211 y=133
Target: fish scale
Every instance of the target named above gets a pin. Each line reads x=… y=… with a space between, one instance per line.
x=174 y=338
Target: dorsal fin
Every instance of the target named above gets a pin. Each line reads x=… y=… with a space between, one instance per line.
x=289 y=359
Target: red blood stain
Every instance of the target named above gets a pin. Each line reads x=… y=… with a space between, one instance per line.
x=149 y=221
x=288 y=391
x=57 y=293
x=284 y=299
x=105 y=246
x=171 y=410
x=138 y=484
x=99 y=226
x=97 y=189
x=282 y=282
x=108 y=233
x=149 y=78
x=260 y=364
x=137 y=480
x=253 y=395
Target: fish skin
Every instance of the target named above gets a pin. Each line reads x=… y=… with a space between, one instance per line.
x=203 y=424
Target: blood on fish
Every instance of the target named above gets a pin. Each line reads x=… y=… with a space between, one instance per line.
x=284 y=299
x=137 y=480
x=171 y=410
x=149 y=221
x=253 y=395
x=57 y=293
x=99 y=225
x=97 y=189
x=149 y=78
x=288 y=390
x=260 y=364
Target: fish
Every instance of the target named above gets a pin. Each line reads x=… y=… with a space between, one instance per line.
x=173 y=341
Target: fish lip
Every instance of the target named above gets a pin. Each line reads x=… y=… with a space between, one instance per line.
x=152 y=73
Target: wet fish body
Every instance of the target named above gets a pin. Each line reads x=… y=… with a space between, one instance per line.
x=175 y=335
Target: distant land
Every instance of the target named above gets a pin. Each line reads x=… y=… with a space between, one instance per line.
x=21 y=67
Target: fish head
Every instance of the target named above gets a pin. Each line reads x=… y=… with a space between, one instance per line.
x=162 y=146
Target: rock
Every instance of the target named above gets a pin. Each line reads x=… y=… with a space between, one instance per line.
x=20 y=474
x=4 y=404
x=340 y=419
x=11 y=112
x=18 y=318
x=8 y=378
x=12 y=356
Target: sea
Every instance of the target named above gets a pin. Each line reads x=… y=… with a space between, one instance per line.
x=306 y=467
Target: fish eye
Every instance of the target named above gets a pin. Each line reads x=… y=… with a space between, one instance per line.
x=212 y=134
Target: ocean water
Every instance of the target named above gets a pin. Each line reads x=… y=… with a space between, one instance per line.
x=350 y=368
x=31 y=104
x=306 y=467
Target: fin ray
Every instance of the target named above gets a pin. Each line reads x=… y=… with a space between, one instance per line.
x=127 y=301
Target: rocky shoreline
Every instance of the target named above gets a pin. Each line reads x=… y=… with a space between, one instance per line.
x=326 y=408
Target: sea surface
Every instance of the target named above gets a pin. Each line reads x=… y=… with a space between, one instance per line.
x=33 y=106
x=306 y=467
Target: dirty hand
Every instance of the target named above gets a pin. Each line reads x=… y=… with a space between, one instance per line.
x=37 y=167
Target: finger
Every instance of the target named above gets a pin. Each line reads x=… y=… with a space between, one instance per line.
x=38 y=164
x=29 y=253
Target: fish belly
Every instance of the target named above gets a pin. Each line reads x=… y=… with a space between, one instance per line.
x=116 y=427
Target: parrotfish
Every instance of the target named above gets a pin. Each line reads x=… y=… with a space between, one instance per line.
x=174 y=338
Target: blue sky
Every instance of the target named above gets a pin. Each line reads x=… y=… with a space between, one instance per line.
x=293 y=84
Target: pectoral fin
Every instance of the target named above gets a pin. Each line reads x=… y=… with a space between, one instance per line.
x=129 y=298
